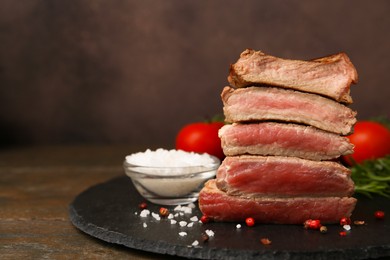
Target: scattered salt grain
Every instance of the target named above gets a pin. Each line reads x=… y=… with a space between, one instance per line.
x=209 y=232
x=170 y=216
x=181 y=214
x=145 y=225
x=173 y=221
x=191 y=205
x=183 y=223
x=194 y=219
x=136 y=213
x=190 y=224
x=347 y=227
x=156 y=216
x=183 y=209
x=176 y=215
x=187 y=210
x=182 y=234
x=144 y=213
x=238 y=226
x=195 y=243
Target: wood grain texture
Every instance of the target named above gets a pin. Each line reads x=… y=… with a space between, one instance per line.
x=36 y=187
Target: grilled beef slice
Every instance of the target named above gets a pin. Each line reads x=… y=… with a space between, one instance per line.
x=330 y=76
x=219 y=206
x=278 y=176
x=271 y=138
x=276 y=104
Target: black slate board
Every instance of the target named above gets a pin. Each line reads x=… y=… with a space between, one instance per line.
x=107 y=211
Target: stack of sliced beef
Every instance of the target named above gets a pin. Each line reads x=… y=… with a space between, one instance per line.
x=288 y=121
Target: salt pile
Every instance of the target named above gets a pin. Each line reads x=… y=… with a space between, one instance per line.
x=169 y=158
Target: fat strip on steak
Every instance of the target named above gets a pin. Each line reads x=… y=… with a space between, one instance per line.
x=330 y=76
x=268 y=103
x=270 y=138
x=219 y=206
x=275 y=176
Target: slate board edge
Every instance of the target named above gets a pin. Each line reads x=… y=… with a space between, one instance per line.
x=162 y=247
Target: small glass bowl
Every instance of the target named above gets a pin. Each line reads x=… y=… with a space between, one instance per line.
x=170 y=185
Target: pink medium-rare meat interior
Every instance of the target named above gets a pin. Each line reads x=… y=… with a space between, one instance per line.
x=270 y=138
x=219 y=206
x=329 y=76
x=268 y=103
x=274 y=176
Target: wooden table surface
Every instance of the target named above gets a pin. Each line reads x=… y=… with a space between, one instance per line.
x=37 y=184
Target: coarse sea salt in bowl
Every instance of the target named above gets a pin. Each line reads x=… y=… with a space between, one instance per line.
x=170 y=177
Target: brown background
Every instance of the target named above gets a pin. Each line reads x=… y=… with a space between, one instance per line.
x=135 y=71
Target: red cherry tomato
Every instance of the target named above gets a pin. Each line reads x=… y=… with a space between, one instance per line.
x=201 y=137
x=371 y=140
